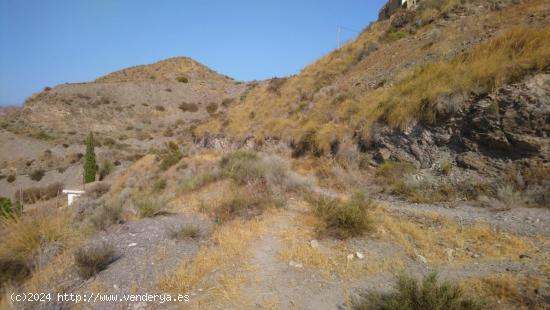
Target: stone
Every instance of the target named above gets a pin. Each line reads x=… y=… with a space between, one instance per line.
x=422 y=259
x=314 y=243
x=360 y=255
x=449 y=253
x=132 y=245
x=295 y=264
x=350 y=256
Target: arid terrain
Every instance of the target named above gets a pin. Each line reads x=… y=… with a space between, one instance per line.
x=421 y=146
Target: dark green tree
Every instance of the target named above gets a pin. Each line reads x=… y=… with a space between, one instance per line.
x=89 y=160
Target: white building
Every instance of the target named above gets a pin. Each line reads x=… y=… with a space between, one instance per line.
x=72 y=195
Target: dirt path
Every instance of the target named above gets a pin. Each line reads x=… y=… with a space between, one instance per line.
x=520 y=220
x=287 y=285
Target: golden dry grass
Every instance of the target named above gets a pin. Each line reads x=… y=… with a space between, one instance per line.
x=340 y=111
x=217 y=268
x=331 y=259
x=431 y=235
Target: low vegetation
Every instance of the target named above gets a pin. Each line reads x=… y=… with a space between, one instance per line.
x=37 y=175
x=106 y=215
x=408 y=294
x=170 y=156
x=188 y=231
x=24 y=238
x=343 y=219
x=149 y=206
x=182 y=79
x=35 y=194
x=91 y=259
x=9 y=208
x=188 y=107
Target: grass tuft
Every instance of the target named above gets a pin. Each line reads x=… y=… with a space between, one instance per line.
x=92 y=259
x=427 y=295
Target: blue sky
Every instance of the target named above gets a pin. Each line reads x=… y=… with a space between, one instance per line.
x=45 y=43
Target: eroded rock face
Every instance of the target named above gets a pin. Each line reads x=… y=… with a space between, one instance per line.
x=514 y=123
x=485 y=134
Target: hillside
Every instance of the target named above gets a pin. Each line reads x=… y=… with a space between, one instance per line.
x=169 y=95
x=409 y=168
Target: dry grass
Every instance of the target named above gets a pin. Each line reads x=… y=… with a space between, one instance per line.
x=25 y=239
x=333 y=113
x=92 y=259
x=429 y=294
x=506 y=58
x=513 y=290
x=344 y=219
x=432 y=235
x=330 y=259
x=217 y=269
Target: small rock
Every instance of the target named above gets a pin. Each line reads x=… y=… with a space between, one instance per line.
x=314 y=243
x=295 y=264
x=475 y=255
x=132 y=244
x=422 y=259
x=350 y=256
x=115 y=286
x=449 y=254
x=360 y=255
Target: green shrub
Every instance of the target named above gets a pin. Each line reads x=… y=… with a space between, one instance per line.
x=170 y=156
x=160 y=108
x=343 y=219
x=429 y=295
x=242 y=166
x=89 y=160
x=182 y=79
x=106 y=215
x=92 y=259
x=105 y=169
x=7 y=208
x=159 y=186
x=198 y=180
x=37 y=175
x=149 y=206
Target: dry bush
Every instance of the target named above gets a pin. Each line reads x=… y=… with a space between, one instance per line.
x=25 y=237
x=188 y=231
x=106 y=215
x=188 y=107
x=170 y=156
x=343 y=219
x=198 y=179
x=34 y=194
x=391 y=173
x=246 y=202
x=182 y=79
x=408 y=294
x=212 y=108
x=37 y=175
x=11 y=178
x=148 y=206
x=242 y=166
x=92 y=259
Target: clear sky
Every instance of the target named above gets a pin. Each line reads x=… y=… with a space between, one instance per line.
x=49 y=42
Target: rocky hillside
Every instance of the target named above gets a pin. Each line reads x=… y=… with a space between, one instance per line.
x=455 y=82
x=143 y=100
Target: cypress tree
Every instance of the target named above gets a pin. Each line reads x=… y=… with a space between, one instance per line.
x=89 y=160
